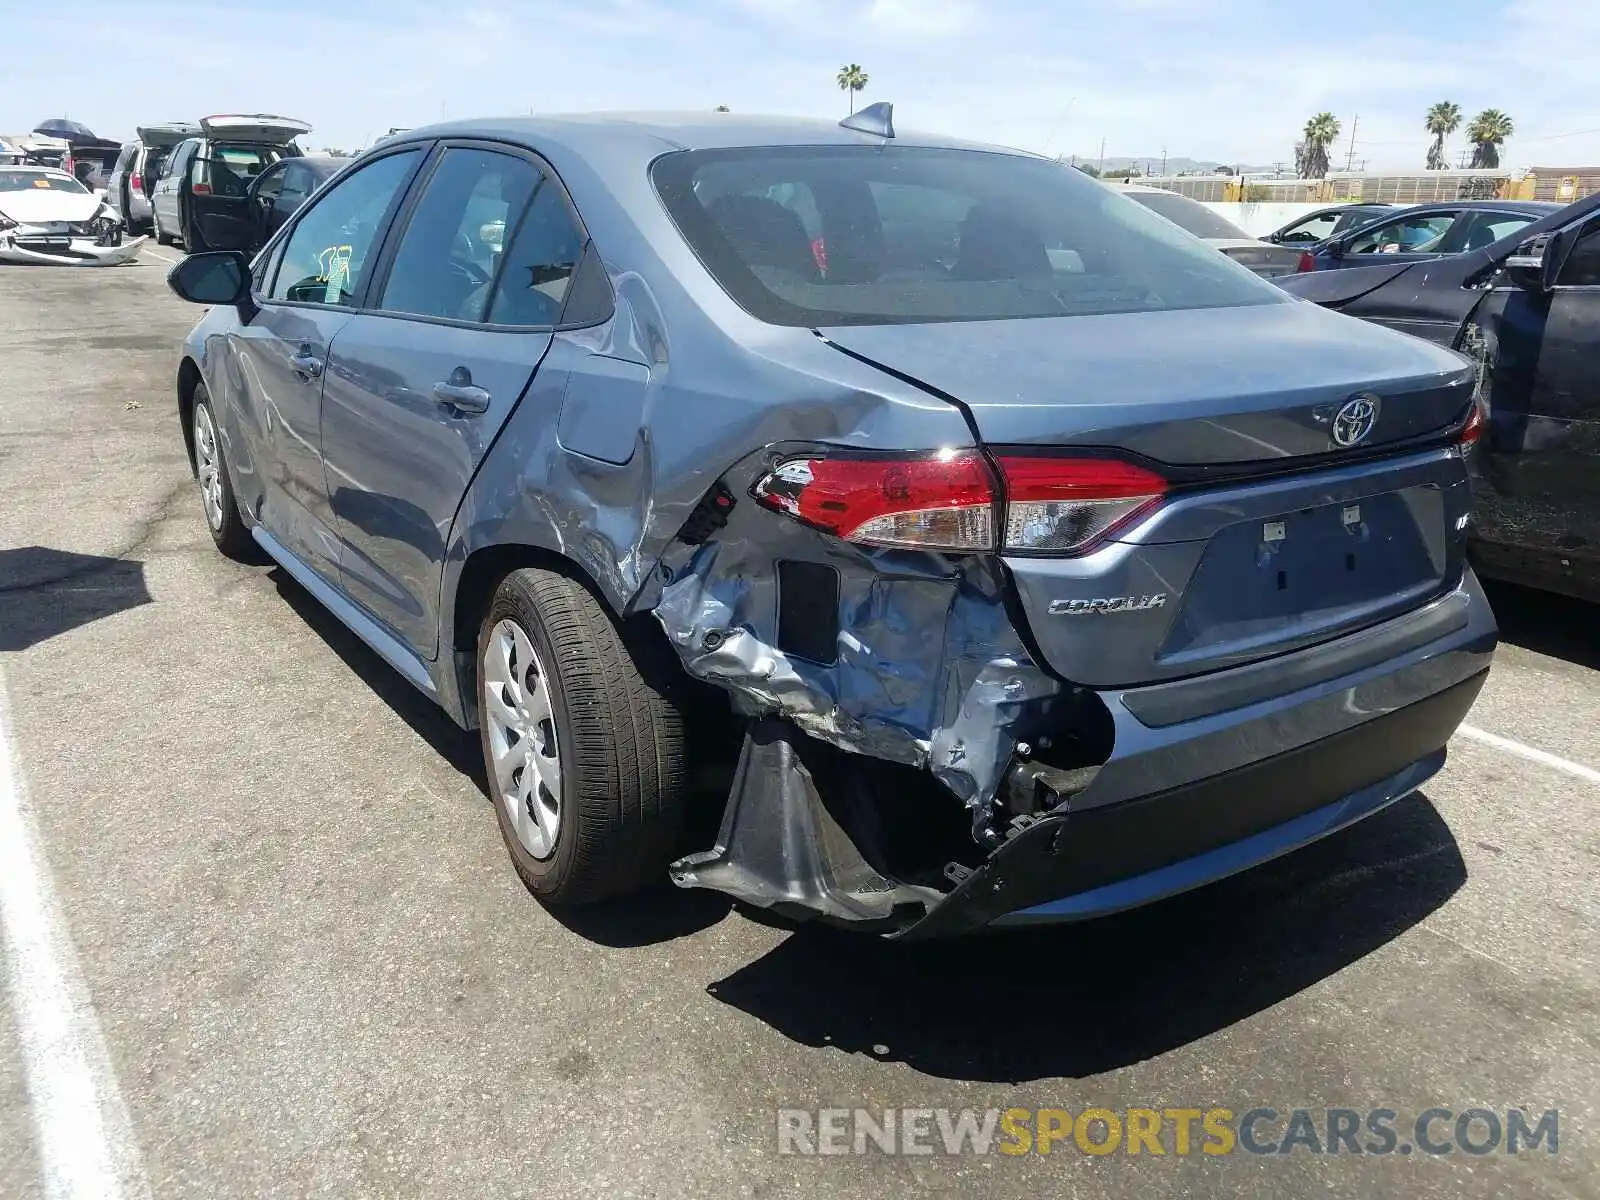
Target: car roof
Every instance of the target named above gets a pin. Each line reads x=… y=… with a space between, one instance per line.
x=656 y=133
x=1537 y=208
x=327 y=162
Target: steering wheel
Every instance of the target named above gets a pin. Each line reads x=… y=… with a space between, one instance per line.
x=470 y=271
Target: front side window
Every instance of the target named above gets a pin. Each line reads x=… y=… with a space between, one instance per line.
x=814 y=235
x=329 y=252
x=1313 y=229
x=270 y=186
x=1409 y=235
x=451 y=249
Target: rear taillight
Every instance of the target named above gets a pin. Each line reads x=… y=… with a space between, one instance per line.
x=944 y=502
x=1067 y=505
x=1473 y=429
x=1308 y=262
x=951 y=501
x=200 y=189
x=135 y=183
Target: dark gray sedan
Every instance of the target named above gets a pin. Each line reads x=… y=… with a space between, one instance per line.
x=1047 y=561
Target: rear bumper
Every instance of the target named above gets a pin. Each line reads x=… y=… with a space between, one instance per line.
x=1185 y=804
x=1122 y=855
x=1205 y=778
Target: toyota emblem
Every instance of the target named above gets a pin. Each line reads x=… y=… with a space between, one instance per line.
x=1354 y=420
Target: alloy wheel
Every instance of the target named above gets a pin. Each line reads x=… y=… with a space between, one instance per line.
x=208 y=465
x=520 y=719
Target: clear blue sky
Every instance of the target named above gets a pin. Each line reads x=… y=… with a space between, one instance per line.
x=1224 y=79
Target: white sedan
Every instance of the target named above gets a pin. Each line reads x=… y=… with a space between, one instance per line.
x=47 y=216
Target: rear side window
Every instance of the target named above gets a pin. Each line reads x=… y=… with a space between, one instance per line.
x=329 y=253
x=452 y=246
x=228 y=170
x=824 y=235
x=539 y=262
x=1409 y=235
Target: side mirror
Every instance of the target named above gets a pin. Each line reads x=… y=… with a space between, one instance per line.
x=1534 y=265
x=214 y=277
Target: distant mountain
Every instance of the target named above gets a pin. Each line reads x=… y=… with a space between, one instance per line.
x=1150 y=164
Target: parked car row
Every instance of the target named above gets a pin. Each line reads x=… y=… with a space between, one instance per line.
x=224 y=182
x=1516 y=287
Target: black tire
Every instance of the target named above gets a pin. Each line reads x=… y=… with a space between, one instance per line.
x=620 y=744
x=228 y=529
x=163 y=238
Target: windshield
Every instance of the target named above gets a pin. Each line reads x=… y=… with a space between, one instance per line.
x=1189 y=214
x=846 y=235
x=43 y=181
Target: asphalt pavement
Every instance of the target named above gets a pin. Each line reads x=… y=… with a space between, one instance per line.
x=262 y=938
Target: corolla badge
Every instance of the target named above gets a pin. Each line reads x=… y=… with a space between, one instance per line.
x=1107 y=604
x=1355 y=419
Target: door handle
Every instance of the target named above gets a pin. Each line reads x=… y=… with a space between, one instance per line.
x=461 y=394
x=306 y=364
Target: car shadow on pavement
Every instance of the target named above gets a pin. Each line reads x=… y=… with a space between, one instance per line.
x=45 y=592
x=427 y=719
x=1081 y=999
x=1546 y=623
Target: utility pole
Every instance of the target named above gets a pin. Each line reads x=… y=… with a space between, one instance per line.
x=1350 y=156
x=1102 y=156
x=1163 y=162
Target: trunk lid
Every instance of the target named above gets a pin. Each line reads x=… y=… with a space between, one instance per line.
x=1199 y=386
x=165 y=136
x=1272 y=536
x=254 y=127
x=1265 y=259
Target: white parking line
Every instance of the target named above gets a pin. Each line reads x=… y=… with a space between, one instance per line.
x=1531 y=753
x=157 y=254
x=84 y=1140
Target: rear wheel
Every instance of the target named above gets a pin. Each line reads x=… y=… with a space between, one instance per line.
x=584 y=757
x=227 y=527
x=163 y=238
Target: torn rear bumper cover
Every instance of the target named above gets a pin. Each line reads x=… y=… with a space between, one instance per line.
x=782 y=846
x=815 y=831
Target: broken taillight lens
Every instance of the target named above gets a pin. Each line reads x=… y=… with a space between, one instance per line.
x=949 y=501
x=1068 y=505
x=943 y=502
x=1473 y=429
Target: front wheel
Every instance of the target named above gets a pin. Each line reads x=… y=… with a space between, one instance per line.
x=585 y=758
x=227 y=527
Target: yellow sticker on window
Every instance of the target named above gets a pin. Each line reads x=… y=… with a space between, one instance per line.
x=42 y=182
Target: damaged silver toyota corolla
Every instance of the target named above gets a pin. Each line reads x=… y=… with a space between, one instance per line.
x=1049 y=561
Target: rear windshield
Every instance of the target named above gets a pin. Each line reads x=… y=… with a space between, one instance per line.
x=1188 y=214
x=229 y=167
x=847 y=235
x=28 y=181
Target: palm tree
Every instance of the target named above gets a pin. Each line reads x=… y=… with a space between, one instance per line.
x=1444 y=118
x=1311 y=155
x=1487 y=133
x=852 y=79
